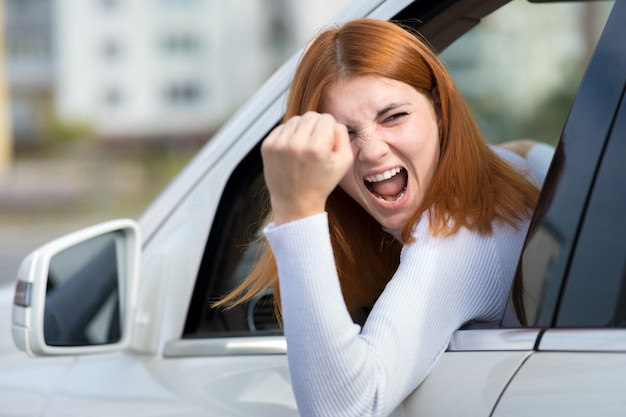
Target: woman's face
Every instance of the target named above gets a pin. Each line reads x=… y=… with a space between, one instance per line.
x=395 y=141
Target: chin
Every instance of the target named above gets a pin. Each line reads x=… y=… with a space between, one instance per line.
x=393 y=225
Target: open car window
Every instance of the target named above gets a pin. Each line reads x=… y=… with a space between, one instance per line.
x=563 y=208
x=515 y=83
x=229 y=256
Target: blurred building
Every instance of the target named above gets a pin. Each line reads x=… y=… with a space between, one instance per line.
x=516 y=50
x=29 y=65
x=145 y=69
x=150 y=69
x=6 y=137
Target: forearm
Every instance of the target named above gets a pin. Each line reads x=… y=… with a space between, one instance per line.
x=325 y=353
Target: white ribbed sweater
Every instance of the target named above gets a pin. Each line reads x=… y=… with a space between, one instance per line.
x=339 y=369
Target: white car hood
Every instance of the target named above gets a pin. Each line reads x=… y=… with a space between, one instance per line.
x=26 y=383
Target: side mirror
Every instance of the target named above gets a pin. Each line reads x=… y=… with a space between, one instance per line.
x=76 y=294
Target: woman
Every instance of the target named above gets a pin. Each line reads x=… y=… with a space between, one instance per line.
x=384 y=197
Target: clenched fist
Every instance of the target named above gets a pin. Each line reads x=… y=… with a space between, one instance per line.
x=303 y=161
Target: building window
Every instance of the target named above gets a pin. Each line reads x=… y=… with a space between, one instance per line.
x=109 y=5
x=181 y=44
x=111 y=50
x=177 y=4
x=113 y=97
x=183 y=94
x=28 y=49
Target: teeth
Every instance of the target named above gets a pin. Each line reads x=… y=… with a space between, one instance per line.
x=383 y=175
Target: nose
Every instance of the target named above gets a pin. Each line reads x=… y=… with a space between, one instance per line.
x=371 y=145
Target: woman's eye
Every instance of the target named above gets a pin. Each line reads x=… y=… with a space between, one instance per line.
x=396 y=116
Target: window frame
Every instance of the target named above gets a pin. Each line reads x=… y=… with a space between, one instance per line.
x=573 y=172
x=227 y=233
x=597 y=280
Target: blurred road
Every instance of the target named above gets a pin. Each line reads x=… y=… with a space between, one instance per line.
x=17 y=240
x=42 y=199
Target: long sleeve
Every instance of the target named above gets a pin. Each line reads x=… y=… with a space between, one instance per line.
x=339 y=369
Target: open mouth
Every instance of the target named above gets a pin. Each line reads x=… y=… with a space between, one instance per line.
x=389 y=185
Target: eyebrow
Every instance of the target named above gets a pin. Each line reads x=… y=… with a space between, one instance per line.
x=379 y=113
x=388 y=108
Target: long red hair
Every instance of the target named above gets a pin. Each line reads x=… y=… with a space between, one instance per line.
x=472 y=186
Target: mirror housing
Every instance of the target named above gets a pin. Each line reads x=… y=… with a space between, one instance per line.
x=76 y=294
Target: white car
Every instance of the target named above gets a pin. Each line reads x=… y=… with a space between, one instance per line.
x=116 y=318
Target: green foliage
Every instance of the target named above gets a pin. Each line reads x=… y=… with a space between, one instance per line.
x=57 y=131
x=501 y=122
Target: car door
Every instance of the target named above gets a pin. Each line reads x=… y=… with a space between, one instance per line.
x=579 y=365
x=475 y=370
x=558 y=255
x=187 y=358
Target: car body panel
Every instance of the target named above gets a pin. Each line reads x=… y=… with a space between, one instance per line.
x=225 y=386
x=473 y=384
x=26 y=384
x=567 y=384
x=583 y=340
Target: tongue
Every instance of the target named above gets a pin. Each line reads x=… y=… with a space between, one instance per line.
x=388 y=189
